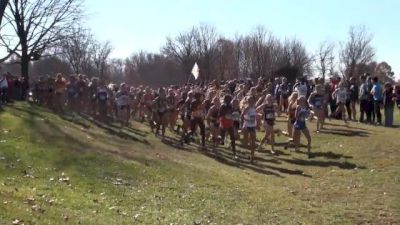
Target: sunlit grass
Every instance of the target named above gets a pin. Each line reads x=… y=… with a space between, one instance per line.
x=53 y=171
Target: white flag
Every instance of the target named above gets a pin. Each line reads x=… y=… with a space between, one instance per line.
x=196 y=71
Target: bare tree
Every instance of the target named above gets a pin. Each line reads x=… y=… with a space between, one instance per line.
x=76 y=47
x=225 y=63
x=357 y=50
x=36 y=25
x=206 y=41
x=3 y=6
x=184 y=49
x=325 y=57
x=100 y=54
x=116 y=69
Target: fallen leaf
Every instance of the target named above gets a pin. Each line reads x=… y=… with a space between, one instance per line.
x=17 y=221
x=31 y=200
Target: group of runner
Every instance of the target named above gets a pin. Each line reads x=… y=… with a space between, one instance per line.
x=234 y=108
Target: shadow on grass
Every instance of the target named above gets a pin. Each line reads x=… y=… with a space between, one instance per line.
x=342 y=165
x=56 y=136
x=225 y=156
x=46 y=129
x=345 y=132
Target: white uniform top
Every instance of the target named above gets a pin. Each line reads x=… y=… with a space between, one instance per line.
x=3 y=82
x=301 y=90
x=250 y=118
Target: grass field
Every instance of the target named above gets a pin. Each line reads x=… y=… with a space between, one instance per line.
x=63 y=170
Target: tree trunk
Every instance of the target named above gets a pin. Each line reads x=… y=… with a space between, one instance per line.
x=24 y=59
x=3 y=6
x=25 y=66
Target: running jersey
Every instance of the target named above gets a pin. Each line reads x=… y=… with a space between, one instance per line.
x=353 y=92
x=102 y=94
x=197 y=110
x=250 y=118
x=122 y=98
x=269 y=113
x=303 y=114
x=317 y=101
x=161 y=104
x=300 y=122
x=284 y=90
x=225 y=115
x=214 y=115
x=171 y=101
x=147 y=100
x=72 y=90
x=341 y=95
x=236 y=115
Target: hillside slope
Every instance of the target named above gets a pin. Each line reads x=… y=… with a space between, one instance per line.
x=64 y=170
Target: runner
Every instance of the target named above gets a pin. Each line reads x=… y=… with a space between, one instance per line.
x=59 y=88
x=291 y=114
x=122 y=103
x=173 y=111
x=213 y=121
x=268 y=109
x=161 y=107
x=302 y=112
x=249 y=118
x=197 y=119
x=284 y=95
x=340 y=94
x=101 y=98
x=353 y=97
x=72 y=94
x=317 y=102
x=377 y=94
x=226 y=120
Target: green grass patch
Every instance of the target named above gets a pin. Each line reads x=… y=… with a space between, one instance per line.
x=72 y=170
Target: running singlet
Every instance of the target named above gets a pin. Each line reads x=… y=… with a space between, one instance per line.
x=341 y=95
x=102 y=94
x=72 y=90
x=300 y=123
x=122 y=98
x=147 y=100
x=284 y=89
x=250 y=118
x=317 y=101
x=269 y=113
x=236 y=115
x=161 y=105
x=225 y=113
x=197 y=110
x=171 y=102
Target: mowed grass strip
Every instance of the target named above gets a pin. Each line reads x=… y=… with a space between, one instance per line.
x=71 y=170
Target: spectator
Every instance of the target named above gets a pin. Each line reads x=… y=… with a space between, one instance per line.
x=3 y=89
x=377 y=95
x=363 y=96
x=388 y=102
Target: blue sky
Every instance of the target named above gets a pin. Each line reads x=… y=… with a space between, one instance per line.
x=133 y=25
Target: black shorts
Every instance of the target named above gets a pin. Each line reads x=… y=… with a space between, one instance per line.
x=122 y=107
x=270 y=122
x=161 y=114
x=250 y=129
x=236 y=125
x=293 y=120
x=215 y=124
